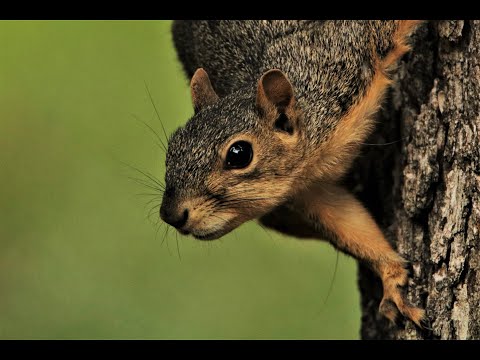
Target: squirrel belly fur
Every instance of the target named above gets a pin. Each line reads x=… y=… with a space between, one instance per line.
x=281 y=109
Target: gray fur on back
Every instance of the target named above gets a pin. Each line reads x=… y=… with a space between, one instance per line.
x=330 y=63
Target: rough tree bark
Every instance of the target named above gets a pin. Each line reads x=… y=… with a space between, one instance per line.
x=424 y=187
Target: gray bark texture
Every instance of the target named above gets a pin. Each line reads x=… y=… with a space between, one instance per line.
x=422 y=185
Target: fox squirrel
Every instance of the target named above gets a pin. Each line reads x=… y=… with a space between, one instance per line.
x=281 y=109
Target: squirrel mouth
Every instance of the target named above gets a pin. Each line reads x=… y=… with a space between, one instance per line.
x=210 y=236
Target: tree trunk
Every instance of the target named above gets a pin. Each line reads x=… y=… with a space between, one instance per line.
x=423 y=185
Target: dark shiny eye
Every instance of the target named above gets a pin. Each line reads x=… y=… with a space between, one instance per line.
x=239 y=155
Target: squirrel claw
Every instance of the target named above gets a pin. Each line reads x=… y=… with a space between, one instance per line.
x=390 y=307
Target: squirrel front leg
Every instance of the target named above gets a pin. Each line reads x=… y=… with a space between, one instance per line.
x=330 y=212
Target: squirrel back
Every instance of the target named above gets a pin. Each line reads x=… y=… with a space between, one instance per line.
x=237 y=53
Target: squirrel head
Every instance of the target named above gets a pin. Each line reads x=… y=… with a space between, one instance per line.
x=236 y=159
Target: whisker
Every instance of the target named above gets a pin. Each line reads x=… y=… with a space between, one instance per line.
x=140 y=182
x=178 y=246
x=330 y=288
x=163 y=147
x=156 y=110
x=153 y=211
x=152 y=200
x=168 y=246
x=266 y=232
x=165 y=233
x=218 y=217
x=160 y=224
x=148 y=194
x=149 y=182
x=148 y=175
x=246 y=202
x=388 y=143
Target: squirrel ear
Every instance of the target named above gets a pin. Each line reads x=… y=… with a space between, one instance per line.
x=274 y=89
x=202 y=90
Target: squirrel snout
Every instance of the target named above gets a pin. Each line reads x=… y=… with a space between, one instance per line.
x=174 y=217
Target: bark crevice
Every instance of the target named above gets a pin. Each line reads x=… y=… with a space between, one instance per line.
x=423 y=188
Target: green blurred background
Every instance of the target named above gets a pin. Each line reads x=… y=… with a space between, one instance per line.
x=79 y=257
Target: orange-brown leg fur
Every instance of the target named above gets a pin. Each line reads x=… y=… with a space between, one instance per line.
x=329 y=212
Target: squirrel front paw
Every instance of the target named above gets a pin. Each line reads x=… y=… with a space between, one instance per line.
x=390 y=306
x=394 y=298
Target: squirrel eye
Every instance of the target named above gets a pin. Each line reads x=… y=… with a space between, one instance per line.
x=239 y=155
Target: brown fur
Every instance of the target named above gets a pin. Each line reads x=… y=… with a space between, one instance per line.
x=404 y=29
x=290 y=183
x=348 y=223
x=349 y=226
x=338 y=153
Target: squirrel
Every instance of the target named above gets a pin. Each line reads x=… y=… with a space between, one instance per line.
x=281 y=109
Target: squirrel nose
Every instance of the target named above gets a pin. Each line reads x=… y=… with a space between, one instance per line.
x=173 y=218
